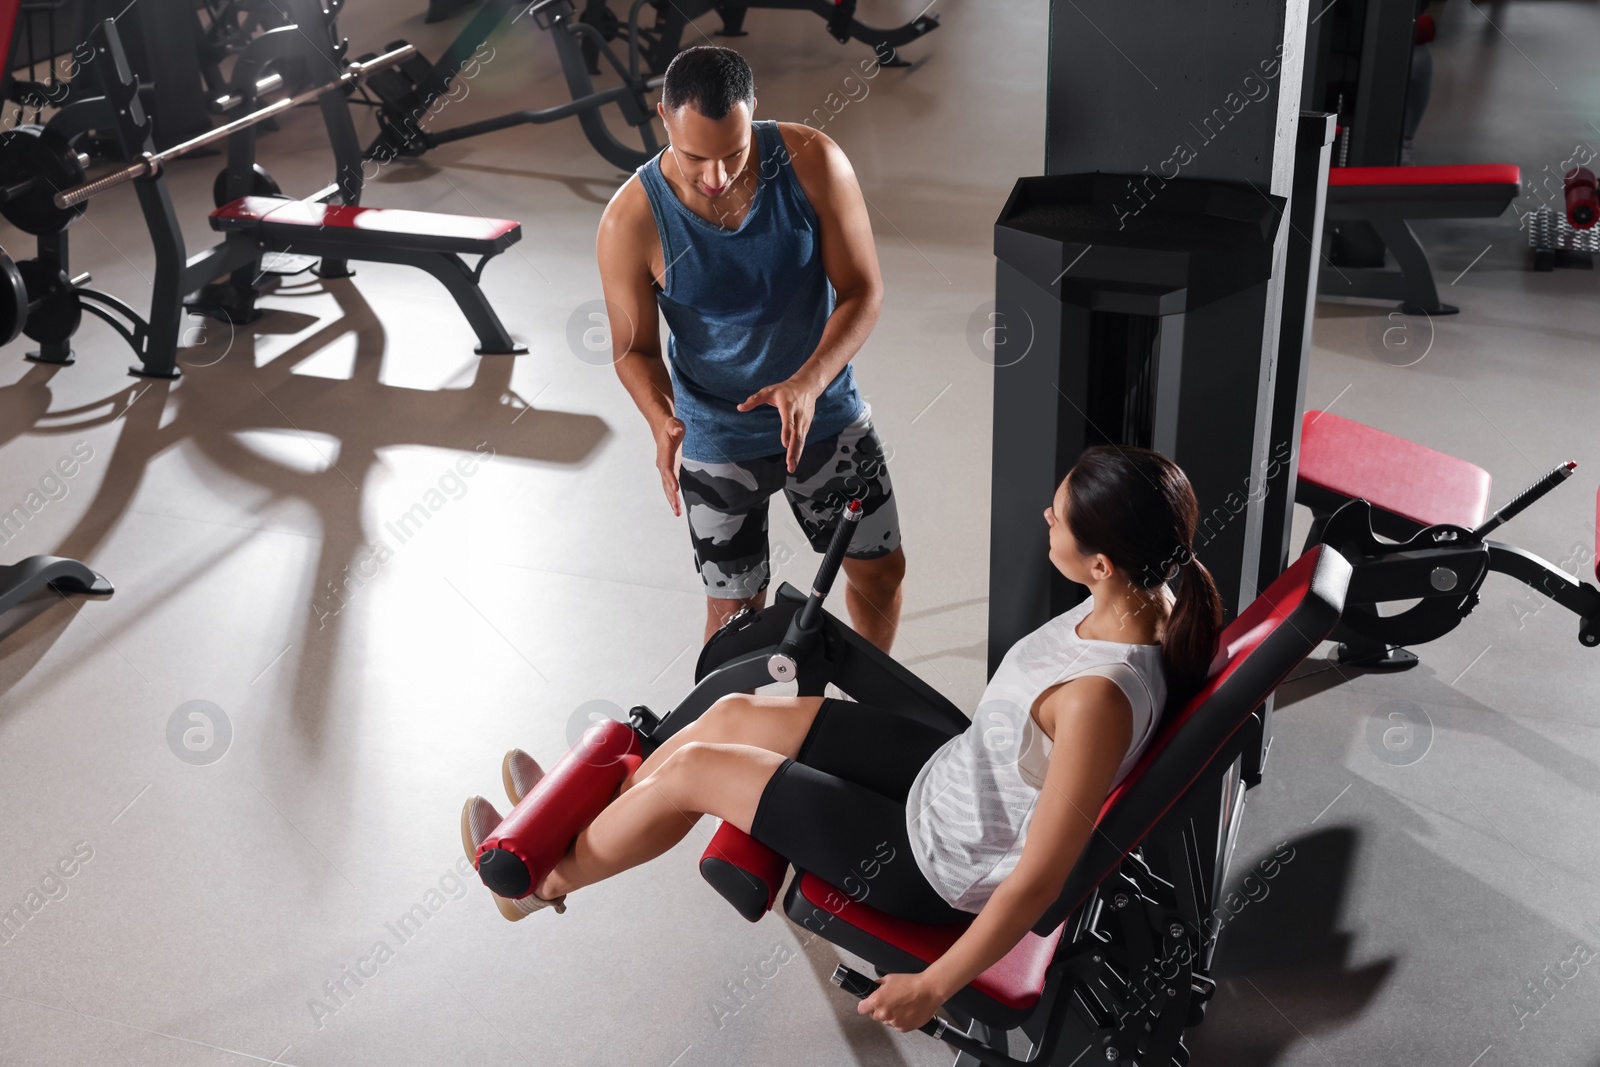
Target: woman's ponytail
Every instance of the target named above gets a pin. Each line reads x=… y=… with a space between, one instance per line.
x=1190 y=642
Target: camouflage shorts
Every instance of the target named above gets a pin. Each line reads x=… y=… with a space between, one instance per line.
x=726 y=505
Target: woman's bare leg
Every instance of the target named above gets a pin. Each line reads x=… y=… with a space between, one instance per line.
x=697 y=778
x=775 y=723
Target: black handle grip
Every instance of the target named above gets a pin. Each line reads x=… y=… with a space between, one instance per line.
x=861 y=987
x=804 y=623
x=1521 y=501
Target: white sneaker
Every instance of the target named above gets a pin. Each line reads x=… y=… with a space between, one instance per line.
x=478 y=821
x=519 y=772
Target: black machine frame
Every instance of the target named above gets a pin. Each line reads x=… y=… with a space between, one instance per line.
x=1129 y=971
x=406 y=95
x=1440 y=567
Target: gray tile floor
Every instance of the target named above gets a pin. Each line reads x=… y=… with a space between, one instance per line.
x=212 y=906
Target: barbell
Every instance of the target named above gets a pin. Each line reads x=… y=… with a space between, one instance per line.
x=43 y=186
x=149 y=164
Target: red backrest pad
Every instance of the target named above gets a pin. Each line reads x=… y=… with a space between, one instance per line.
x=1242 y=636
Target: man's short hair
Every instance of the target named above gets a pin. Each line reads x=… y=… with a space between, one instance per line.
x=709 y=78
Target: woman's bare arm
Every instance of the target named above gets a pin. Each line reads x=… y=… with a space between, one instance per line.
x=1093 y=726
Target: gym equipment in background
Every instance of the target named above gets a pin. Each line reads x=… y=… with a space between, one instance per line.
x=1386 y=199
x=1121 y=318
x=407 y=95
x=1359 y=67
x=1119 y=965
x=1361 y=483
x=1567 y=238
x=43 y=189
x=22 y=579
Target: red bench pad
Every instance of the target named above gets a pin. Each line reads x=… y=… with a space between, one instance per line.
x=1404 y=478
x=300 y=221
x=1466 y=174
x=1016 y=981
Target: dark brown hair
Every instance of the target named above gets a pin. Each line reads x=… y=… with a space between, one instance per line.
x=711 y=79
x=1137 y=508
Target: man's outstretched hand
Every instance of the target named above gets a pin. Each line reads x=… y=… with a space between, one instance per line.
x=669 y=447
x=796 y=404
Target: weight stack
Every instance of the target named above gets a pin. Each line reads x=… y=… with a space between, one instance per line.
x=1128 y=310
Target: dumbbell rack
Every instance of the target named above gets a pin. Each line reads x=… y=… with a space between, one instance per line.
x=1555 y=243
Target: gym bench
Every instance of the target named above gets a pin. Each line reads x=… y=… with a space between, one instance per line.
x=1387 y=198
x=1362 y=483
x=433 y=242
x=1119 y=964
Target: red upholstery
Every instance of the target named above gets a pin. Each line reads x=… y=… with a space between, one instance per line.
x=8 y=26
x=1015 y=981
x=539 y=830
x=1239 y=638
x=1413 y=481
x=762 y=866
x=1464 y=174
x=387 y=220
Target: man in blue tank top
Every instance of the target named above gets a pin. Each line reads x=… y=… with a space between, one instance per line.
x=752 y=240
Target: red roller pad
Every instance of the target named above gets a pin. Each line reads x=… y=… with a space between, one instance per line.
x=733 y=846
x=1425 y=29
x=1583 y=206
x=541 y=828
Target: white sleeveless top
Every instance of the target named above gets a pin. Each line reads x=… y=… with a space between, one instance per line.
x=969 y=808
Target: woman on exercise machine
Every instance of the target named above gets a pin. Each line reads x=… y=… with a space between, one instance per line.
x=922 y=825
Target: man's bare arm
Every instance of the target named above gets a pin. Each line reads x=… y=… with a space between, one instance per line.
x=849 y=255
x=623 y=250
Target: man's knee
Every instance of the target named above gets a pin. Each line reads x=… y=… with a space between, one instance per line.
x=880 y=576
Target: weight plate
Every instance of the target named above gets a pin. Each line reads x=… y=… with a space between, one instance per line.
x=57 y=312
x=13 y=301
x=261 y=184
x=44 y=156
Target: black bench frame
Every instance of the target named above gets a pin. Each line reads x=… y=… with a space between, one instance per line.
x=177 y=275
x=1390 y=217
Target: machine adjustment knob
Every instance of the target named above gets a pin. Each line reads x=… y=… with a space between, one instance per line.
x=1442 y=579
x=781 y=667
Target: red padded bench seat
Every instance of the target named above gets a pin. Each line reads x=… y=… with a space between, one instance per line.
x=299 y=221
x=1015 y=982
x=1342 y=460
x=1478 y=190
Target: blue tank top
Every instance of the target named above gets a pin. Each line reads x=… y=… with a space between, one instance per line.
x=745 y=309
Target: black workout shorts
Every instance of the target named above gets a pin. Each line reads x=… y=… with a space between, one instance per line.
x=838 y=810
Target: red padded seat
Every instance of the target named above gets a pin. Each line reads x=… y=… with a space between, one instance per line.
x=1350 y=460
x=290 y=221
x=1467 y=174
x=1016 y=981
